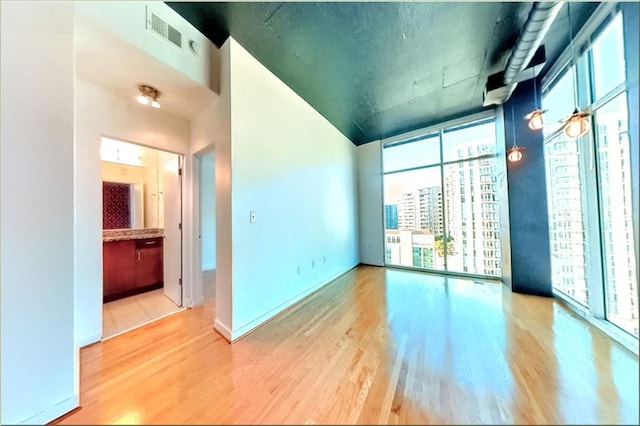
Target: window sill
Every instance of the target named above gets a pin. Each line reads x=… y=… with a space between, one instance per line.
x=615 y=333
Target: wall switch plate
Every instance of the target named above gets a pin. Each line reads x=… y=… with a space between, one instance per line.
x=252 y=217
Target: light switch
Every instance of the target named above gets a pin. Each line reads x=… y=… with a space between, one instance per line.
x=252 y=217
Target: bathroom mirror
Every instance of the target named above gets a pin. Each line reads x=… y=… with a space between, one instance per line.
x=132 y=185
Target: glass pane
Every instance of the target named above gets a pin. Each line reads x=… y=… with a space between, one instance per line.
x=608 y=58
x=472 y=213
x=614 y=174
x=469 y=141
x=559 y=102
x=567 y=226
x=413 y=218
x=412 y=153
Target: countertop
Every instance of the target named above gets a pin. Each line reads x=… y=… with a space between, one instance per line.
x=131 y=234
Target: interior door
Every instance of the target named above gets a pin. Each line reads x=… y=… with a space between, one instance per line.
x=172 y=179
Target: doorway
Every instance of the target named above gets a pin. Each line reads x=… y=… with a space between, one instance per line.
x=207 y=227
x=142 y=235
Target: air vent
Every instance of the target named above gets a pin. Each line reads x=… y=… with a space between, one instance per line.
x=164 y=30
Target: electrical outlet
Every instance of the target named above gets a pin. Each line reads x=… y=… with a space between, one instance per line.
x=313 y=264
x=252 y=217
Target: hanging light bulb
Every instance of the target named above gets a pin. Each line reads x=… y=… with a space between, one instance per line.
x=515 y=154
x=576 y=125
x=536 y=121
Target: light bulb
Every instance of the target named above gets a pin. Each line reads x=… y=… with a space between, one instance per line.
x=155 y=104
x=577 y=126
x=535 y=120
x=143 y=100
x=515 y=154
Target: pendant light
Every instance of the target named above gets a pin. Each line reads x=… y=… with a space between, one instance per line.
x=535 y=118
x=515 y=153
x=577 y=124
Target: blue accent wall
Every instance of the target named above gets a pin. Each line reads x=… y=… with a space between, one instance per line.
x=527 y=187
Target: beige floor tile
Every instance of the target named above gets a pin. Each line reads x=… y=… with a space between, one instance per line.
x=158 y=305
x=131 y=312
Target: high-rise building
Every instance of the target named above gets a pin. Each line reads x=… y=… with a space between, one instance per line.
x=617 y=221
x=391 y=216
x=566 y=218
x=407 y=211
x=430 y=203
x=472 y=211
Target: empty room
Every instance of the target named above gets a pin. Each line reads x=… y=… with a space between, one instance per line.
x=319 y=212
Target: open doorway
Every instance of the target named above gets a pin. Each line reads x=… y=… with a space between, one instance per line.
x=142 y=235
x=207 y=231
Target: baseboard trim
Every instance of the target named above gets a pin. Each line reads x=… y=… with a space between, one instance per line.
x=52 y=413
x=222 y=330
x=88 y=340
x=264 y=318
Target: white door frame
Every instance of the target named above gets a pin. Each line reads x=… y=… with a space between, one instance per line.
x=196 y=246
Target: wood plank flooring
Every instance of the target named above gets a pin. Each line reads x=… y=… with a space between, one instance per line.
x=375 y=346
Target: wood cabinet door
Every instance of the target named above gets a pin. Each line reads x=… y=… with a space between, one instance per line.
x=149 y=262
x=119 y=266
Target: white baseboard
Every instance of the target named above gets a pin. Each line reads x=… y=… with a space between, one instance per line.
x=88 y=340
x=257 y=322
x=52 y=413
x=223 y=330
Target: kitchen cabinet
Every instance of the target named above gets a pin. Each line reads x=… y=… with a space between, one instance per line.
x=131 y=267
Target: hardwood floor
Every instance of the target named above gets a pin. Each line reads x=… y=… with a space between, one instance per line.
x=375 y=346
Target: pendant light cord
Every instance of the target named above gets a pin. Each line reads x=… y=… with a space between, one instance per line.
x=513 y=126
x=535 y=95
x=573 y=56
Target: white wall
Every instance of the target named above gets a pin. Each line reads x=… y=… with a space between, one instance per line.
x=213 y=128
x=100 y=112
x=370 y=204
x=37 y=233
x=208 y=211
x=127 y=20
x=298 y=173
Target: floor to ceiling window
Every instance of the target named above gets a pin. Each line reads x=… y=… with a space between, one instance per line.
x=589 y=183
x=440 y=200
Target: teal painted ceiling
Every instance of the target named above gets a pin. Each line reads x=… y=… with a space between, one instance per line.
x=378 y=69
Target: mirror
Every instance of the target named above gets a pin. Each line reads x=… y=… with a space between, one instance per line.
x=132 y=185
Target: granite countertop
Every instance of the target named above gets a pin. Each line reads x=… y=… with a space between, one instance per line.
x=131 y=234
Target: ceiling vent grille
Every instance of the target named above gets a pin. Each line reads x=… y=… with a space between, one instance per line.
x=164 y=30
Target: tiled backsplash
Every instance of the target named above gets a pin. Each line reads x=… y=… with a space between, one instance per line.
x=116 y=205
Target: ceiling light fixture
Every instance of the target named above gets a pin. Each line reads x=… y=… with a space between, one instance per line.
x=536 y=121
x=515 y=153
x=148 y=96
x=577 y=124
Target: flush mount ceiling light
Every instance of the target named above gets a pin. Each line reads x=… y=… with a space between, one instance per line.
x=148 y=96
